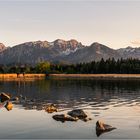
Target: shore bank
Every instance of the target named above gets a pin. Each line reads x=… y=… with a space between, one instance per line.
x=30 y=77
x=16 y=77
x=97 y=76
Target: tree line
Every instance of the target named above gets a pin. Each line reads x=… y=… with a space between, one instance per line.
x=109 y=66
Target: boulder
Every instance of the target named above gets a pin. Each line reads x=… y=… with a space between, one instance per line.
x=102 y=128
x=4 y=97
x=79 y=113
x=63 y=118
x=9 y=106
x=51 y=108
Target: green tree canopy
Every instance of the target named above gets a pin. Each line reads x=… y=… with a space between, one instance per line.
x=43 y=67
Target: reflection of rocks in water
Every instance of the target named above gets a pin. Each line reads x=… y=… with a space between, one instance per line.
x=103 y=128
x=63 y=118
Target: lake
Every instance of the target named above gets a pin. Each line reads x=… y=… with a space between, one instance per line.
x=116 y=102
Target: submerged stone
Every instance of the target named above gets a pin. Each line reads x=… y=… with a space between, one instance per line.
x=102 y=128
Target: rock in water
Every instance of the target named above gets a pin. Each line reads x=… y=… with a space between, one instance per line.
x=63 y=118
x=9 y=106
x=102 y=128
x=51 y=108
x=15 y=99
x=79 y=113
x=4 y=97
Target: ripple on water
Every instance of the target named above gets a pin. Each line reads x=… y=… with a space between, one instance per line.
x=115 y=102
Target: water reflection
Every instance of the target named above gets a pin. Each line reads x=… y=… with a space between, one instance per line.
x=115 y=101
x=73 y=93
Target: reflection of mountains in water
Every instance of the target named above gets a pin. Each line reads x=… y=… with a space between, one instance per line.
x=75 y=93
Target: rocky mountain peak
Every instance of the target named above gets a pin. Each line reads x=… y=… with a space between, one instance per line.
x=69 y=45
x=129 y=47
x=95 y=44
x=59 y=41
x=2 y=47
x=63 y=42
x=36 y=44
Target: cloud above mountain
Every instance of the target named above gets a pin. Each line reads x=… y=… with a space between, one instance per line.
x=136 y=42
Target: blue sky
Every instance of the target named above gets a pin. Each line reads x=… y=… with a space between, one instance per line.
x=113 y=23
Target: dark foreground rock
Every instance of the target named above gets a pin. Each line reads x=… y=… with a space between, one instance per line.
x=4 y=97
x=79 y=113
x=63 y=118
x=103 y=128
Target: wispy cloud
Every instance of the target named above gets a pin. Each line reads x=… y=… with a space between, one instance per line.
x=136 y=42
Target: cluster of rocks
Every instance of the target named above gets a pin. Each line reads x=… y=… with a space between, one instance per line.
x=77 y=114
x=74 y=115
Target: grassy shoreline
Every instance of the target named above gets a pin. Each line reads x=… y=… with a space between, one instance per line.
x=97 y=76
x=21 y=77
x=31 y=77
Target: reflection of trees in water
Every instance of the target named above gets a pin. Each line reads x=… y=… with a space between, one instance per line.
x=77 y=92
x=44 y=86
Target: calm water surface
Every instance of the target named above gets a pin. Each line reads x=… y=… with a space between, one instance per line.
x=117 y=102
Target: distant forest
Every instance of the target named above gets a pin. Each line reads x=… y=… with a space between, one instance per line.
x=109 y=66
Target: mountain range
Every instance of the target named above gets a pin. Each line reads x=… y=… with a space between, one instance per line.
x=61 y=51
